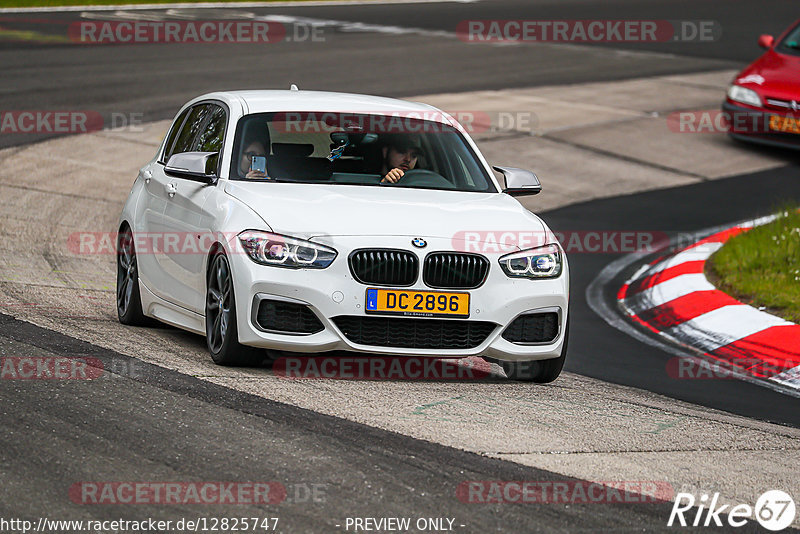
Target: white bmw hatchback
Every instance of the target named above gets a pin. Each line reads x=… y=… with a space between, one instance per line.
x=307 y=222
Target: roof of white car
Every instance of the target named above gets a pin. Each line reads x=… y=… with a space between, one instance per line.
x=289 y=100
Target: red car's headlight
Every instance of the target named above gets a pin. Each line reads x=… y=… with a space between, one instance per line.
x=737 y=93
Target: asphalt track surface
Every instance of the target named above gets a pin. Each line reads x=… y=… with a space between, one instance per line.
x=160 y=425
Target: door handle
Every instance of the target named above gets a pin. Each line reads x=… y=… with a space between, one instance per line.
x=171 y=188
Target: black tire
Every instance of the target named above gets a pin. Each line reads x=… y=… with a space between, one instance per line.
x=129 y=300
x=222 y=336
x=539 y=371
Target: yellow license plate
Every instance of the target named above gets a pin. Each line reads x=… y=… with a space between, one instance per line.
x=784 y=124
x=417 y=303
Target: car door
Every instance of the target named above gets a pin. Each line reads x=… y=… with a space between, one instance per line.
x=151 y=213
x=188 y=224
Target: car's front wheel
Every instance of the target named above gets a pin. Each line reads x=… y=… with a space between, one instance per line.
x=539 y=371
x=129 y=300
x=221 y=330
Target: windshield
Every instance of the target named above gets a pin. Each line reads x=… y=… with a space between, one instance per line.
x=791 y=43
x=356 y=149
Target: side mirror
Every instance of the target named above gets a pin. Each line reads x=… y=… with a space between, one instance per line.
x=766 y=41
x=520 y=182
x=197 y=166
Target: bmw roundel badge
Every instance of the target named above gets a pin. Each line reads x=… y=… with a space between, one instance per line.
x=419 y=242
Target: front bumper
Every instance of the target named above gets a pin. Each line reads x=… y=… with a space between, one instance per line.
x=333 y=292
x=754 y=127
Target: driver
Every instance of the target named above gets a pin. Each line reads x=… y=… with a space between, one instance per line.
x=400 y=155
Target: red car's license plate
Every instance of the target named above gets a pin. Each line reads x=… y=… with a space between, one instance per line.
x=784 y=124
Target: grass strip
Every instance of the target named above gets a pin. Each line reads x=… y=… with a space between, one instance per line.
x=761 y=267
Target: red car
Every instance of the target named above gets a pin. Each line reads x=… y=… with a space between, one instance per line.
x=763 y=103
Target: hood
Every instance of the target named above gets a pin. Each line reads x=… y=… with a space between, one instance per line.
x=773 y=75
x=309 y=210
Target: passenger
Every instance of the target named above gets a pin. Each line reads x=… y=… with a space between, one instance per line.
x=400 y=155
x=254 y=145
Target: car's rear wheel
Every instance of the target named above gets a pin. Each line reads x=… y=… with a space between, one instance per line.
x=539 y=371
x=129 y=301
x=221 y=330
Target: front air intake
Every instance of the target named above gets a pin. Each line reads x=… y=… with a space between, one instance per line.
x=287 y=317
x=414 y=333
x=384 y=267
x=533 y=328
x=455 y=270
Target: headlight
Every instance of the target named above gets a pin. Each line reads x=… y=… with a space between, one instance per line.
x=284 y=251
x=737 y=93
x=540 y=262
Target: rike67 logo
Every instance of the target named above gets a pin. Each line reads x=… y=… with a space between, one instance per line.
x=774 y=510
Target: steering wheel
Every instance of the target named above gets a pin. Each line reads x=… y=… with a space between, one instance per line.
x=425 y=178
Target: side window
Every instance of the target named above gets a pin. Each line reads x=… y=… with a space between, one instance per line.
x=176 y=127
x=191 y=127
x=213 y=132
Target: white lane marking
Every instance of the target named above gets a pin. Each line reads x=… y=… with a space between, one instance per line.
x=347 y=26
x=147 y=16
x=312 y=3
x=169 y=14
x=666 y=291
x=695 y=253
x=758 y=222
x=725 y=325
